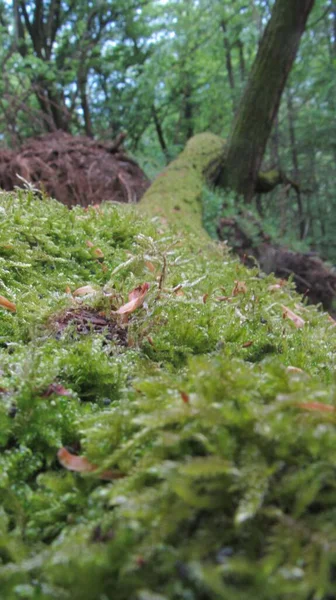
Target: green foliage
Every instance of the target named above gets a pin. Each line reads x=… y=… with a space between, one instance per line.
x=229 y=485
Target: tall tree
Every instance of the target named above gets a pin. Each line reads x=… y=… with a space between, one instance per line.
x=260 y=102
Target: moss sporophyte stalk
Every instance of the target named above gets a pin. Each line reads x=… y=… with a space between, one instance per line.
x=182 y=447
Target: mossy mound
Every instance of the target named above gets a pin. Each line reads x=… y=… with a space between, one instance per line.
x=228 y=454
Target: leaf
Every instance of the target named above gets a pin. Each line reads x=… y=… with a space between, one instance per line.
x=150 y=266
x=56 y=388
x=239 y=288
x=7 y=304
x=84 y=291
x=136 y=298
x=247 y=344
x=291 y=369
x=316 y=406
x=80 y=464
x=289 y=314
x=98 y=253
x=185 y=397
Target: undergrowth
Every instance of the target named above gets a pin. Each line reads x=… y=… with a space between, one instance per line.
x=219 y=412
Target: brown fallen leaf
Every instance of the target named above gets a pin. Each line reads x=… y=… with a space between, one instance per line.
x=247 y=344
x=80 y=464
x=84 y=290
x=7 y=304
x=136 y=299
x=239 y=288
x=185 y=397
x=89 y=244
x=289 y=314
x=316 y=406
x=98 y=253
x=150 y=266
x=204 y=298
x=68 y=289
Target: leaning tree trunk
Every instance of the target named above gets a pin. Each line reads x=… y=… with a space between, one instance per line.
x=260 y=101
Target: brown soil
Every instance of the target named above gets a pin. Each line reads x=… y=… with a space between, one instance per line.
x=74 y=170
x=87 y=320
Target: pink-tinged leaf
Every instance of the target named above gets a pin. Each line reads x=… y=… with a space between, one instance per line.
x=332 y=320
x=136 y=299
x=80 y=464
x=84 y=291
x=316 y=406
x=89 y=244
x=277 y=286
x=289 y=314
x=56 y=388
x=7 y=304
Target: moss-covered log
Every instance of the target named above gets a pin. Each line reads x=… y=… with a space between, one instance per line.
x=204 y=426
x=177 y=192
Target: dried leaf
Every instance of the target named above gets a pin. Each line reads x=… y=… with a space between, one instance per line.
x=332 y=320
x=98 y=253
x=136 y=298
x=247 y=344
x=150 y=266
x=68 y=289
x=80 y=464
x=204 y=298
x=89 y=244
x=294 y=369
x=7 y=304
x=239 y=288
x=289 y=314
x=316 y=406
x=185 y=397
x=84 y=291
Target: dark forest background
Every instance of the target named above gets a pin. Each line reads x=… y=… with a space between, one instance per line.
x=163 y=70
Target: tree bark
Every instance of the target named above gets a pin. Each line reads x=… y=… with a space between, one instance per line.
x=260 y=102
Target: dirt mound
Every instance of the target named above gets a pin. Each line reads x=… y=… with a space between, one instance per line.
x=74 y=170
x=312 y=277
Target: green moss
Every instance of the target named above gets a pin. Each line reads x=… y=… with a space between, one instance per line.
x=229 y=486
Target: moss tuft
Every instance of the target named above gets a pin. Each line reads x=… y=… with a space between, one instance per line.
x=228 y=455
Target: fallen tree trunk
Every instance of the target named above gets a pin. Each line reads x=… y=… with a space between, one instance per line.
x=176 y=196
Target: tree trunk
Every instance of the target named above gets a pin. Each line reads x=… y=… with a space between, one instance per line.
x=159 y=131
x=260 y=102
x=295 y=160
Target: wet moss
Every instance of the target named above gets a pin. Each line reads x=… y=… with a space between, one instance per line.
x=229 y=484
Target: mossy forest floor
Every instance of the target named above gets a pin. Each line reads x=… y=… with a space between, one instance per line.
x=215 y=412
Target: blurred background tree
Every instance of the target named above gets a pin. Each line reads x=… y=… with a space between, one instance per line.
x=163 y=70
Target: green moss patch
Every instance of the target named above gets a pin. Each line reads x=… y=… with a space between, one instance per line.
x=218 y=409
